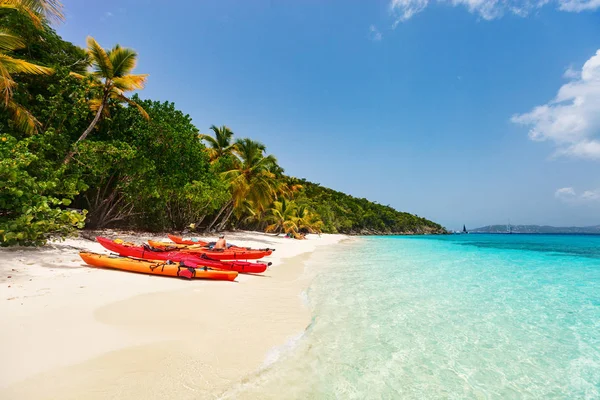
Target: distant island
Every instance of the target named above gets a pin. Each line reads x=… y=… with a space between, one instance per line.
x=537 y=229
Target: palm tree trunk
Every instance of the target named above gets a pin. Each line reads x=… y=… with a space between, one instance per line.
x=218 y=215
x=87 y=131
x=224 y=222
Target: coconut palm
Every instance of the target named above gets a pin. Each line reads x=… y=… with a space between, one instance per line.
x=38 y=11
x=286 y=216
x=282 y=217
x=286 y=188
x=221 y=144
x=251 y=179
x=111 y=70
x=306 y=219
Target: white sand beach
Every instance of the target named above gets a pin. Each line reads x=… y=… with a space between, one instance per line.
x=70 y=331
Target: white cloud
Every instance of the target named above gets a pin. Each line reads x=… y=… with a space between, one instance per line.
x=578 y=5
x=567 y=192
x=568 y=195
x=374 y=34
x=571 y=73
x=108 y=14
x=591 y=195
x=403 y=10
x=487 y=9
x=572 y=119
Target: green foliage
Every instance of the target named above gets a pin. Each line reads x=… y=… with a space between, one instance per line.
x=43 y=46
x=342 y=213
x=31 y=208
x=252 y=177
x=152 y=174
x=34 y=190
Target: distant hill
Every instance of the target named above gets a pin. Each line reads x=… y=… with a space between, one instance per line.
x=537 y=229
x=342 y=213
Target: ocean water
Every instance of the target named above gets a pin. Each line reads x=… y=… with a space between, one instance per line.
x=447 y=317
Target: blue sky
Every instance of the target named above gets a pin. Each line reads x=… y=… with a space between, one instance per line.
x=470 y=111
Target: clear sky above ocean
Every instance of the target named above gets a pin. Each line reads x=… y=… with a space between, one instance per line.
x=425 y=106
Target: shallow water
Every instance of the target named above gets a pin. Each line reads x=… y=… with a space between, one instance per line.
x=458 y=317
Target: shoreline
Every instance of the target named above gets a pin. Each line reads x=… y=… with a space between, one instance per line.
x=109 y=333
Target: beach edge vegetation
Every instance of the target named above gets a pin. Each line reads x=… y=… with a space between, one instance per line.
x=76 y=152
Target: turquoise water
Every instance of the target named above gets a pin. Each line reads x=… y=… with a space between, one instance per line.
x=448 y=317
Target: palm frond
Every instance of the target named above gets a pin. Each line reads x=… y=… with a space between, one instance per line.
x=37 y=10
x=123 y=60
x=121 y=97
x=7 y=84
x=211 y=141
x=261 y=164
x=23 y=119
x=219 y=145
x=17 y=66
x=51 y=9
x=10 y=65
x=10 y=42
x=95 y=104
x=223 y=136
x=128 y=83
x=76 y=75
x=100 y=61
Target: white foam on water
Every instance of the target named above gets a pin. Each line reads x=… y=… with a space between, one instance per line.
x=277 y=352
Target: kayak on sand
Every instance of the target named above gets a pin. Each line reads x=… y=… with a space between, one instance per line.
x=229 y=254
x=155 y=268
x=191 y=242
x=190 y=259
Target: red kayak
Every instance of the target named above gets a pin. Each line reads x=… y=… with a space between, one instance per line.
x=191 y=260
x=180 y=240
x=229 y=254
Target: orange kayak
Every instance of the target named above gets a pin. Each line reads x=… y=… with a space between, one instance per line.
x=155 y=267
x=191 y=259
x=229 y=254
x=180 y=240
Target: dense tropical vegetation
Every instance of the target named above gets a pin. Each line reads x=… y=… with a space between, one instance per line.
x=75 y=151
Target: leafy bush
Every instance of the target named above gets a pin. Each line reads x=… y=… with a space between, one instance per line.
x=32 y=209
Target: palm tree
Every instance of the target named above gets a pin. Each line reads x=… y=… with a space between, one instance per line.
x=251 y=179
x=286 y=216
x=38 y=11
x=282 y=217
x=111 y=72
x=221 y=144
x=305 y=219
x=286 y=188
